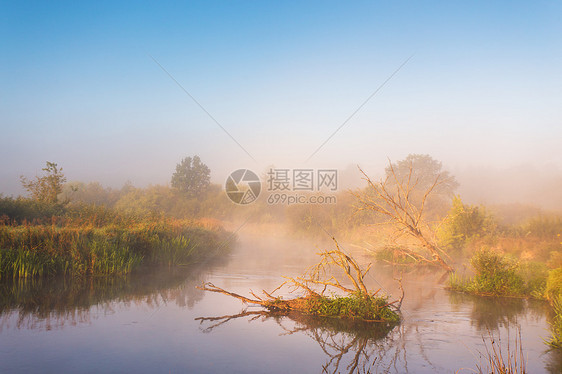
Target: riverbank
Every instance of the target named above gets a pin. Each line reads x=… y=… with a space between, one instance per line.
x=78 y=247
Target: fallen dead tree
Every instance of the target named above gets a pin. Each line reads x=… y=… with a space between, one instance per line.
x=358 y=301
x=399 y=201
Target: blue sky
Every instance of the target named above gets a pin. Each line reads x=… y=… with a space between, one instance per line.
x=78 y=85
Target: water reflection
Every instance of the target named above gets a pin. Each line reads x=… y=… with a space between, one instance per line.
x=55 y=302
x=145 y=323
x=351 y=346
x=489 y=313
x=554 y=362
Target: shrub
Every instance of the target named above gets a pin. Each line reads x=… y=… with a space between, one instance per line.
x=464 y=223
x=554 y=284
x=534 y=275
x=495 y=275
x=21 y=209
x=544 y=227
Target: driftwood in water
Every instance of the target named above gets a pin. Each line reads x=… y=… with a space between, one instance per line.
x=316 y=281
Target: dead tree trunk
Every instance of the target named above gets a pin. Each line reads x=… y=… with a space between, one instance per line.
x=403 y=206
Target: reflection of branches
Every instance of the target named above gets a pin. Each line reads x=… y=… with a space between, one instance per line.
x=351 y=346
x=224 y=319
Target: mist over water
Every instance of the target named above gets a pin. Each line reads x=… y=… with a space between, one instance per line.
x=121 y=124
x=154 y=317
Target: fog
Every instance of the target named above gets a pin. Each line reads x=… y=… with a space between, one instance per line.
x=488 y=184
x=124 y=97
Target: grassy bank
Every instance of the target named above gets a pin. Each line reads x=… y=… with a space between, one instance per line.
x=86 y=246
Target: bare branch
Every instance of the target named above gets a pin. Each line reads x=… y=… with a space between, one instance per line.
x=402 y=209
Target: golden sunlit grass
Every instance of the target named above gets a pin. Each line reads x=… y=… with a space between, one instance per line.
x=94 y=246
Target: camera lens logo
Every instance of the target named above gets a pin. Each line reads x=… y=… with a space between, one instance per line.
x=243 y=186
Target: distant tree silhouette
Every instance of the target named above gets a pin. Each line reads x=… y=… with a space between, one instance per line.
x=191 y=177
x=423 y=170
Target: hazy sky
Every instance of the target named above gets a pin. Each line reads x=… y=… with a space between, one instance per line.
x=78 y=85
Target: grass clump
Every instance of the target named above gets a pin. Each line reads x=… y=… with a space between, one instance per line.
x=368 y=308
x=498 y=275
x=554 y=295
x=555 y=340
x=495 y=275
x=554 y=285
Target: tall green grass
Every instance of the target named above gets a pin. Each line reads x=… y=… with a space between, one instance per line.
x=555 y=340
x=84 y=249
x=498 y=275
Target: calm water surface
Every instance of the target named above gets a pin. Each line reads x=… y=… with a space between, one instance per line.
x=147 y=323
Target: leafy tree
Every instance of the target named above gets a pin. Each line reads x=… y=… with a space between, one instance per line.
x=464 y=222
x=46 y=188
x=191 y=177
x=422 y=171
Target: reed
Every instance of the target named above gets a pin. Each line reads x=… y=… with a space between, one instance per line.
x=87 y=248
x=498 y=360
x=555 y=340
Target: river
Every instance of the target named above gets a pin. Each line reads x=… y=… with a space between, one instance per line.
x=150 y=322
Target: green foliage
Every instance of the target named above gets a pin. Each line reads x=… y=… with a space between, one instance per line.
x=92 y=194
x=21 y=209
x=495 y=274
x=164 y=200
x=555 y=340
x=79 y=248
x=464 y=223
x=394 y=255
x=47 y=187
x=354 y=306
x=554 y=284
x=192 y=177
x=535 y=275
x=544 y=227
x=555 y=260
x=459 y=283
